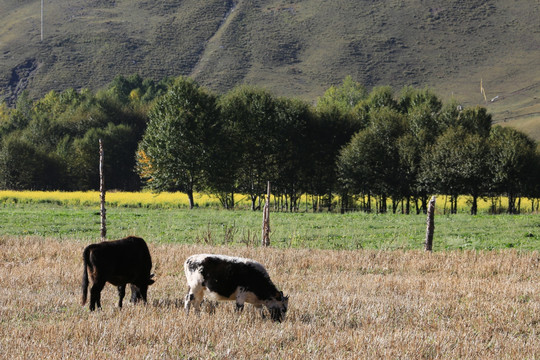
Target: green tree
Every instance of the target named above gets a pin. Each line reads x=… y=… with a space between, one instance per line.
x=448 y=116
x=134 y=90
x=533 y=187
x=410 y=153
x=382 y=96
x=180 y=131
x=411 y=98
x=20 y=116
x=223 y=166
x=249 y=116
x=82 y=158
x=422 y=109
x=345 y=97
x=512 y=160
x=458 y=164
x=354 y=166
x=330 y=130
x=475 y=120
x=25 y=167
x=292 y=151
x=370 y=163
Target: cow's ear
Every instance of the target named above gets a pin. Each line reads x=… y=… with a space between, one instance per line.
x=150 y=282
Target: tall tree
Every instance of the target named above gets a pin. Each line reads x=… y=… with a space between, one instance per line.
x=292 y=151
x=249 y=116
x=354 y=165
x=370 y=163
x=512 y=160
x=331 y=129
x=180 y=131
x=457 y=164
x=422 y=109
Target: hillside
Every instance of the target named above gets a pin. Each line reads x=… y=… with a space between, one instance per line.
x=293 y=48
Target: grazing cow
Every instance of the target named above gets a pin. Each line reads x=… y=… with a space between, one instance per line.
x=232 y=278
x=118 y=262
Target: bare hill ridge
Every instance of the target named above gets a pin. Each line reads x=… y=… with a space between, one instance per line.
x=293 y=48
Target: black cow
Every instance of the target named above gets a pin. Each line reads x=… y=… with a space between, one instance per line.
x=232 y=278
x=119 y=262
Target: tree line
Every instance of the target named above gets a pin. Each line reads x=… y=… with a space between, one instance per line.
x=369 y=148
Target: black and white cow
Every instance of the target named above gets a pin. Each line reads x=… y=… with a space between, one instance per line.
x=232 y=278
x=119 y=262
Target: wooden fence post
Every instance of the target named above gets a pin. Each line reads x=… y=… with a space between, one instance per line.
x=265 y=239
x=102 y=193
x=428 y=246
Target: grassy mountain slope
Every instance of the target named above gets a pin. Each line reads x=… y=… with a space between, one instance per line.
x=293 y=48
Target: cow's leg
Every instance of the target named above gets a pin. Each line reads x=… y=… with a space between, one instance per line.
x=95 y=294
x=135 y=294
x=121 y=294
x=212 y=306
x=239 y=307
x=240 y=300
x=195 y=296
x=187 y=302
x=261 y=310
x=142 y=293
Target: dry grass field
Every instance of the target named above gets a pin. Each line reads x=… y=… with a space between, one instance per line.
x=343 y=305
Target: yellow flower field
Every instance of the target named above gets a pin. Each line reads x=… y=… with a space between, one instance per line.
x=123 y=199
x=146 y=199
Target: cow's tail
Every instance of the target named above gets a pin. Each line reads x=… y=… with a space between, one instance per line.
x=86 y=262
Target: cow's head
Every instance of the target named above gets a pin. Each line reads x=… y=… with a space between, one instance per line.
x=278 y=306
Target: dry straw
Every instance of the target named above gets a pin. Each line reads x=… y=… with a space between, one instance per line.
x=343 y=305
